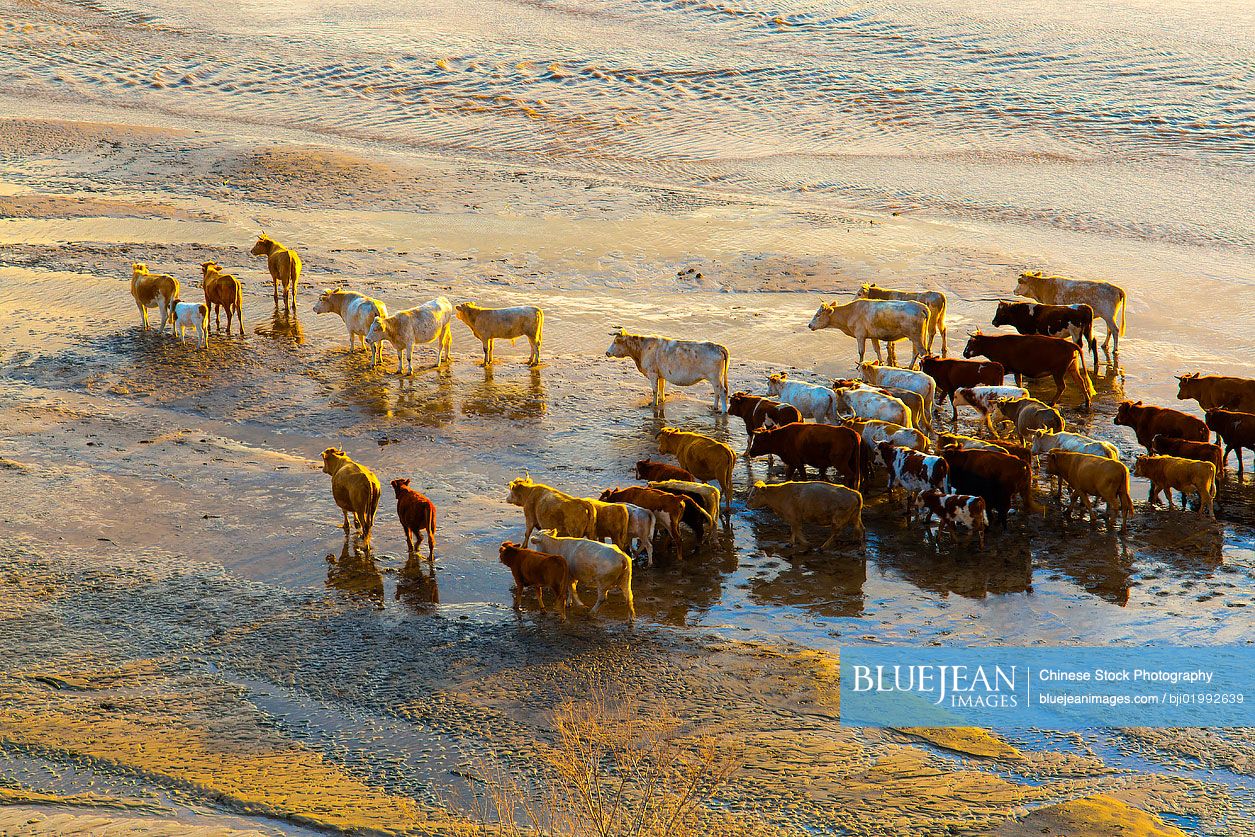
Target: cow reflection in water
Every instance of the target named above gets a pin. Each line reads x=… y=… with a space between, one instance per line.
x=1101 y=565
x=425 y=398
x=511 y=396
x=354 y=572
x=1005 y=566
x=673 y=592
x=284 y=327
x=828 y=584
x=417 y=587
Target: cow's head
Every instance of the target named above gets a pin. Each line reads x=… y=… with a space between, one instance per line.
x=975 y=341
x=325 y=302
x=1187 y=386
x=1027 y=283
x=1002 y=316
x=375 y=331
x=739 y=404
x=518 y=489
x=755 y=500
x=667 y=439
x=823 y=317
x=1141 y=467
x=620 y=346
x=401 y=486
x=139 y=269
x=760 y=442
x=865 y=290
x=263 y=246
x=775 y=383
x=333 y=459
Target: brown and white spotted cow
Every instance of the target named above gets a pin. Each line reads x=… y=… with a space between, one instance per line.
x=954 y=510
x=912 y=470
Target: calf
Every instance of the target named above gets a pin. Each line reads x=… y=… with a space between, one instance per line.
x=1034 y=356
x=1185 y=475
x=889 y=376
x=490 y=324
x=1236 y=430
x=1198 y=451
x=984 y=400
x=953 y=373
x=153 y=290
x=430 y=322
x=993 y=475
x=1076 y=321
x=935 y=301
x=541 y=570
x=877 y=319
x=1093 y=476
x=669 y=509
x=647 y=469
x=914 y=471
x=954 y=510
x=1030 y=417
x=704 y=457
x=284 y=266
x=701 y=504
x=594 y=564
x=355 y=489
x=222 y=290
x=811 y=502
x=1148 y=422
x=758 y=412
x=1218 y=392
x=418 y=517
x=822 y=446
x=193 y=315
x=812 y=401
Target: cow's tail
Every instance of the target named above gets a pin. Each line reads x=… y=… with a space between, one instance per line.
x=239 y=298
x=1123 y=303
x=1126 y=501
x=540 y=324
x=1079 y=360
x=723 y=376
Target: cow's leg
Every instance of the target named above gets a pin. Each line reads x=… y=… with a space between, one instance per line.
x=945 y=349
x=862 y=349
x=409 y=540
x=954 y=409
x=1168 y=492
x=488 y=351
x=575 y=596
x=275 y=279
x=1059 y=384
x=534 y=359
x=601 y=597
x=891 y=352
x=346 y=520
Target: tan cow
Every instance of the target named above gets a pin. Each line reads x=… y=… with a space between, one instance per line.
x=284 y=266
x=153 y=290
x=876 y=320
x=489 y=324
x=222 y=290
x=613 y=521
x=1030 y=417
x=1185 y=475
x=548 y=508
x=1093 y=476
x=356 y=490
x=811 y=502
x=935 y=300
x=1107 y=300
x=1218 y=392
x=704 y=457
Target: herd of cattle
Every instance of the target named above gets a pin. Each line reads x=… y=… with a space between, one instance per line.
x=882 y=422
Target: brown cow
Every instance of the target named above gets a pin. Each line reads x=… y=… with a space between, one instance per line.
x=819 y=445
x=537 y=569
x=1237 y=430
x=418 y=517
x=993 y=475
x=1076 y=321
x=1148 y=422
x=758 y=412
x=1034 y=356
x=668 y=508
x=648 y=469
x=953 y=373
x=1218 y=392
x=222 y=290
x=1198 y=451
x=1088 y=476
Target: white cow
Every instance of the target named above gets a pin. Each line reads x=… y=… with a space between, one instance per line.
x=641 y=525
x=935 y=300
x=681 y=362
x=863 y=402
x=812 y=400
x=1107 y=300
x=1075 y=443
x=490 y=324
x=984 y=400
x=600 y=565
x=877 y=319
x=431 y=322
x=358 y=312
x=193 y=315
x=891 y=376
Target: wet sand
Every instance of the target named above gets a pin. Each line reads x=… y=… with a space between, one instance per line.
x=172 y=559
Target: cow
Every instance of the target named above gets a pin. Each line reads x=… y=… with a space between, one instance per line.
x=935 y=301
x=993 y=475
x=1030 y=417
x=894 y=378
x=193 y=315
x=418 y=517
x=1148 y=422
x=542 y=570
x=704 y=497
x=984 y=400
x=681 y=362
x=865 y=403
x=758 y=413
x=1034 y=356
x=222 y=290
x=153 y=290
x=284 y=266
x=960 y=442
x=812 y=401
x=1093 y=476
x=953 y=373
x=1107 y=301
x=358 y=311
x=811 y=502
x=1185 y=475
x=1044 y=443
x=1076 y=321
x=1218 y=392
x=431 y=322
x=592 y=563
x=954 y=510
x=914 y=471
x=611 y=520
x=876 y=320
x=647 y=469
x=874 y=432
x=1198 y=451
x=489 y=324
x=355 y=489
x=704 y=457
x=1236 y=430
x=669 y=509
x=920 y=409
x=548 y=508
x=822 y=446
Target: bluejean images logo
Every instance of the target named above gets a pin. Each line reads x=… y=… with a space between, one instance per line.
x=1050 y=688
